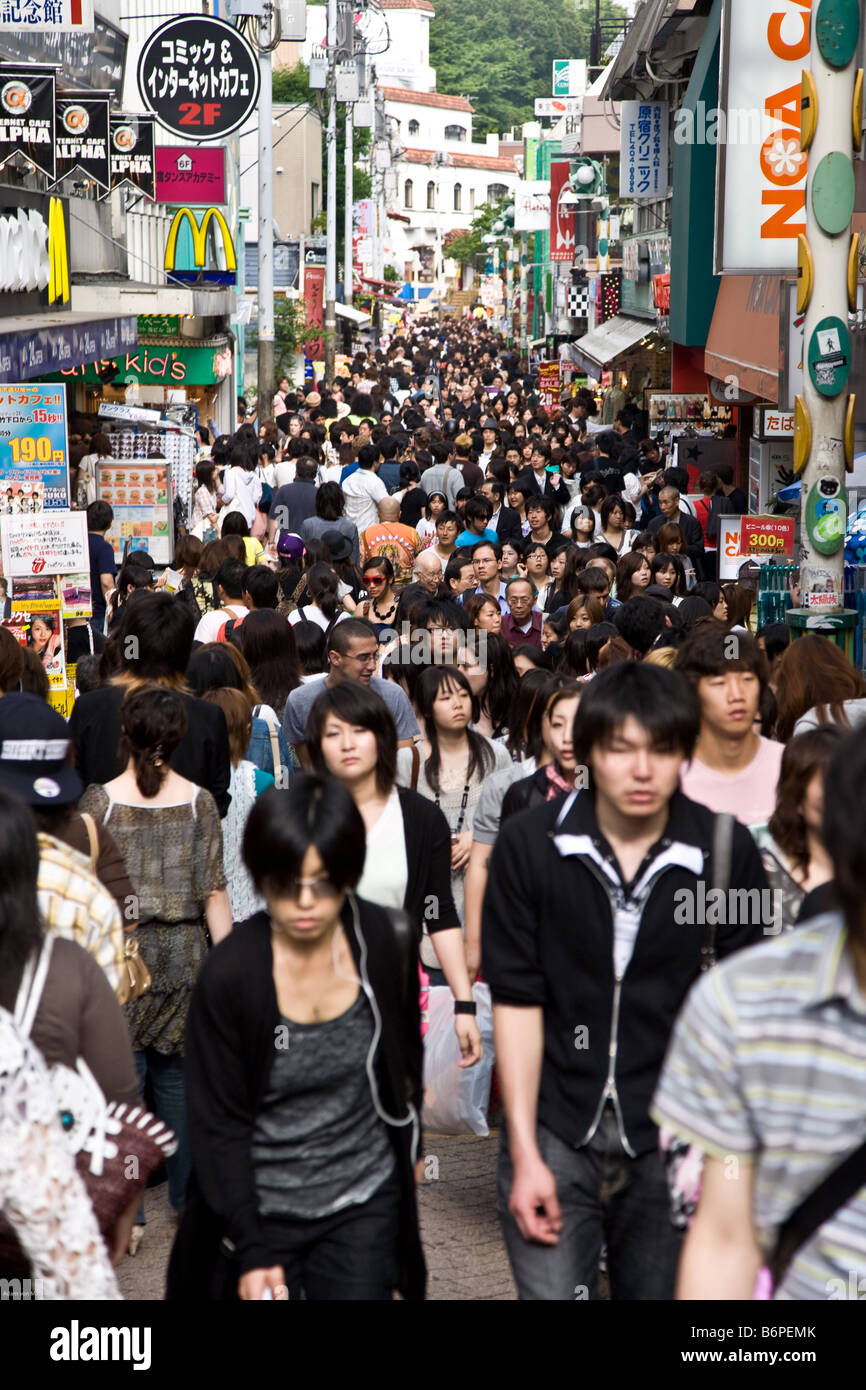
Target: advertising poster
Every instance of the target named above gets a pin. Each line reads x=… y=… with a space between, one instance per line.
x=139 y=493
x=190 y=175
x=561 y=214
x=549 y=384
x=34 y=476
x=35 y=622
x=747 y=541
x=44 y=545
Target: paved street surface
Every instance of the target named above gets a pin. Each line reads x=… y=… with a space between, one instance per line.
x=465 y=1255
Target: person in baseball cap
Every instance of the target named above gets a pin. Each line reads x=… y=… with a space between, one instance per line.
x=34 y=753
x=290 y=546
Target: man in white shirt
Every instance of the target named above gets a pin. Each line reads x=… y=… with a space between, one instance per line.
x=230 y=590
x=364 y=490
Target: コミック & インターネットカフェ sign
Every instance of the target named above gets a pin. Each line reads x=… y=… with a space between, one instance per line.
x=199 y=77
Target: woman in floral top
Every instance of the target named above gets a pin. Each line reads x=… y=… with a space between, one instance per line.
x=168 y=831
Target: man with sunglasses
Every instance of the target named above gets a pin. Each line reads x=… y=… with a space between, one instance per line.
x=353 y=654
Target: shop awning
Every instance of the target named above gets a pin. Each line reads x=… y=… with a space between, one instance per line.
x=744 y=334
x=130 y=297
x=348 y=311
x=595 y=351
x=40 y=344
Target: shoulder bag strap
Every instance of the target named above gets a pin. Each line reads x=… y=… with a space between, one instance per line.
x=416 y=767
x=723 y=839
x=837 y=1188
x=32 y=985
x=92 y=838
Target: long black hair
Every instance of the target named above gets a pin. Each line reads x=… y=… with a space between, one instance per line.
x=430 y=683
x=502 y=681
x=20 y=923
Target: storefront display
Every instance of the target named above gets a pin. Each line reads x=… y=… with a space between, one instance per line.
x=140 y=494
x=33 y=449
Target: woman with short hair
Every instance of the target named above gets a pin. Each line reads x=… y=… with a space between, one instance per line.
x=303 y=1069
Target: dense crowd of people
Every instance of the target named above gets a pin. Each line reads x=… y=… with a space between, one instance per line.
x=440 y=692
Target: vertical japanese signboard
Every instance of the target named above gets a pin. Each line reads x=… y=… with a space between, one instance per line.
x=643 y=161
x=33 y=449
x=561 y=214
x=314 y=298
x=549 y=384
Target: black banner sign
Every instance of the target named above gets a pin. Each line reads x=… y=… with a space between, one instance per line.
x=27 y=118
x=82 y=138
x=131 y=153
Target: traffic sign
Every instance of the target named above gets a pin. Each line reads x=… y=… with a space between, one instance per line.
x=199 y=76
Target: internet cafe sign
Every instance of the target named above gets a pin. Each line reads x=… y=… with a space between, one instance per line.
x=760 y=170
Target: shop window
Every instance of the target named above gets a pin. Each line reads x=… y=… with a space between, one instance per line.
x=455 y=132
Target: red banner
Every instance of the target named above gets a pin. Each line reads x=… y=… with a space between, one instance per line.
x=561 y=218
x=767 y=537
x=314 y=308
x=549 y=385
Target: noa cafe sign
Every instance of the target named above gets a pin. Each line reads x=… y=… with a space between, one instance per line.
x=760 y=170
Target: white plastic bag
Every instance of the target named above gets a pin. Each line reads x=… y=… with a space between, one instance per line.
x=455 y=1100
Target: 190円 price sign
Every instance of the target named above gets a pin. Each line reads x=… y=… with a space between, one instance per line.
x=199 y=76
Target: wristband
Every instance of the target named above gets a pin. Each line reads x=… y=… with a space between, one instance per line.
x=465 y=1006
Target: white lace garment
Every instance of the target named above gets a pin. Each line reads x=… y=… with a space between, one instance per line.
x=41 y=1194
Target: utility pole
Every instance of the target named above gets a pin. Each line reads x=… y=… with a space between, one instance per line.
x=266 y=335
x=331 y=217
x=524 y=293
x=380 y=158
x=826 y=290
x=348 y=217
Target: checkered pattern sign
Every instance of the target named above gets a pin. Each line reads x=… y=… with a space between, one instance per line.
x=578 y=301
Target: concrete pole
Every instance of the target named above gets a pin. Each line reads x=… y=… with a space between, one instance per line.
x=524 y=293
x=348 y=219
x=331 y=215
x=820 y=419
x=265 y=365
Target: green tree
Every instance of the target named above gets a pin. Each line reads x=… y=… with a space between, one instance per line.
x=465 y=246
x=500 y=56
x=291 y=331
x=291 y=86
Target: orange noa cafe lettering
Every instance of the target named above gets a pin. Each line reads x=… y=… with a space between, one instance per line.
x=782 y=164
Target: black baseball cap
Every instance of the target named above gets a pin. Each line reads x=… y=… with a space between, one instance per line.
x=34 y=753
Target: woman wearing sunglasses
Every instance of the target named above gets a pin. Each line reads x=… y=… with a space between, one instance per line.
x=380 y=608
x=303 y=1061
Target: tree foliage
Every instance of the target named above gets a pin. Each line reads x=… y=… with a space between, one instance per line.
x=291 y=86
x=500 y=55
x=465 y=246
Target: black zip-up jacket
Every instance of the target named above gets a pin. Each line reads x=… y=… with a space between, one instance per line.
x=428 y=900
x=548 y=940
x=232 y=1024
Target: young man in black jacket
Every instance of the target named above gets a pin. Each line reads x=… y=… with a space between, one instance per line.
x=597 y=919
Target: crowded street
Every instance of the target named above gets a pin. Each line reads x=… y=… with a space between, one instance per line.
x=433 y=670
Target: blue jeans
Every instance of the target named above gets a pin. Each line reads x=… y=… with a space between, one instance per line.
x=166 y=1080
x=604 y=1197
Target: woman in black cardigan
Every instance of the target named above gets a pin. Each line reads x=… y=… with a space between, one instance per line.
x=351 y=735
x=303 y=1077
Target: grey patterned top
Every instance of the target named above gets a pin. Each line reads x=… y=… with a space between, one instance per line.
x=318 y=1144
x=174 y=858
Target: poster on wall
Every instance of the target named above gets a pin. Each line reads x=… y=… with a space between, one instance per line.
x=139 y=493
x=44 y=545
x=34 y=475
x=549 y=384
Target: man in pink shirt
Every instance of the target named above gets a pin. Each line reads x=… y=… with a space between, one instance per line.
x=734 y=768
